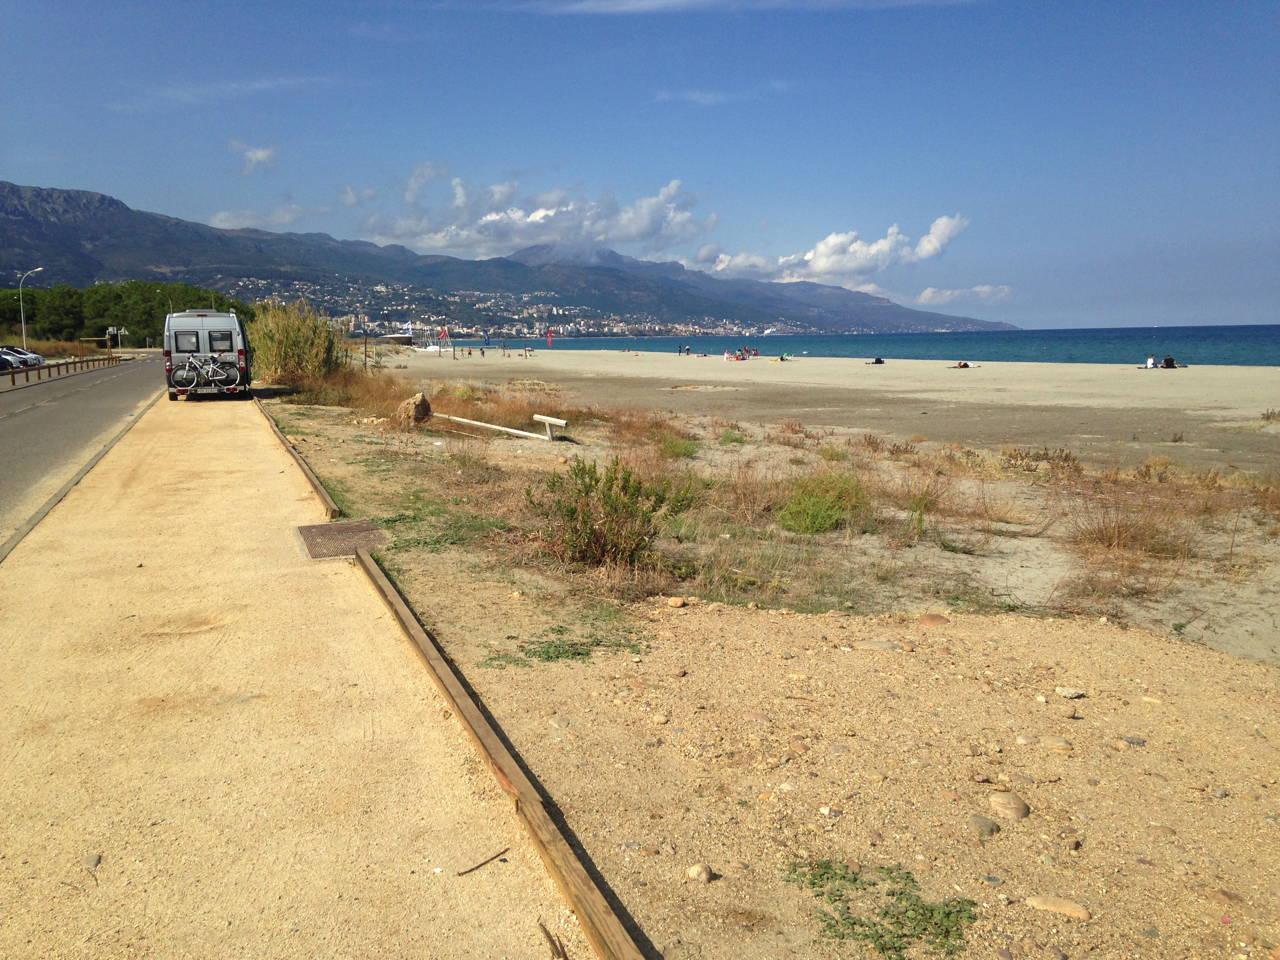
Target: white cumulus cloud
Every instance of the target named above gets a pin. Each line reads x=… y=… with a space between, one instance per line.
x=843 y=258
x=982 y=293
x=496 y=220
x=254 y=158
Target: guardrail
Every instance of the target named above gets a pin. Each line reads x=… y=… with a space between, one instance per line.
x=48 y=371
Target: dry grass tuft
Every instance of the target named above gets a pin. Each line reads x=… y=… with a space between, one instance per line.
x=375 y=393
x=1125 y=526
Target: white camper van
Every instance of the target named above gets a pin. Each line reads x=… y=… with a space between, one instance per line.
x=206 y=353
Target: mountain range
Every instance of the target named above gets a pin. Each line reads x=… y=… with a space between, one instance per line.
x=81 y=237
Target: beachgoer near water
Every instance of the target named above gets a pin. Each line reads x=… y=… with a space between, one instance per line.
x=1169 y=364
x=1151 y=363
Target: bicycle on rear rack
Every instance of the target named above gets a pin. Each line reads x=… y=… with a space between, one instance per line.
x=200 y=370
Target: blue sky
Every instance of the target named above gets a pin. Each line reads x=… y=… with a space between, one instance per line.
x=1065 y=164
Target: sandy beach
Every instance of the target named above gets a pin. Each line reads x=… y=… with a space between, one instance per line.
x=1200 y=417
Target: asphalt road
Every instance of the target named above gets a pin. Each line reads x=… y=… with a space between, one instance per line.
x=48 y=431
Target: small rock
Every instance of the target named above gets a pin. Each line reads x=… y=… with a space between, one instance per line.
x=700 y=872
x=1163 y=832
x=933 y=620
x=832 y=812
x=680 y=673
x=876 y=838
x=660 y=719
x=985 y=826
x=1054 y=953
x=676 y=602
x=1221 y=793
x=1041 y=698
x=92 y=860
x=1069 y=693
x=991 y=880
x=1024 y=740
x=1009 y=806
x=1069 y=712
x=1056 y=744
x=788 y=655
x=1134 y=741
x=1004 y=953
x=1059 y=905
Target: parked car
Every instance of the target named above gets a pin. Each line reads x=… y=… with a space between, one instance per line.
x=35 y=358
x=7 y=364
x=16 y=359
x=206 y=353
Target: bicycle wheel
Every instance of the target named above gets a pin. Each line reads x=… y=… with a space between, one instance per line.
x=185 y=377
x=224 y=374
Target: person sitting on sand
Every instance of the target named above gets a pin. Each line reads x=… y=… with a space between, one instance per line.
x=1169 y=364
x=878 y=362
x=1151 y=363
x=962 y=365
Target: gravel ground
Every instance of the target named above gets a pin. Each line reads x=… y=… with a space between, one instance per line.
x=216 y=747
x=753 y=740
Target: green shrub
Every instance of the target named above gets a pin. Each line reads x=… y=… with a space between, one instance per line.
x=823 y=502
x=732 y=436
x=598 y=516
x=673 y=446
x=294 y=344
x=831 y=453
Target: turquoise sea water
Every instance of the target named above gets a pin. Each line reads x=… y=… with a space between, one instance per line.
x=1257 y=345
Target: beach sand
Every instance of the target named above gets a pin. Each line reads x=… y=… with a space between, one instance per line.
x=1104 y=413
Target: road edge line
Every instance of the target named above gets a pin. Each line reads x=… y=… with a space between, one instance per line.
x=33 y=521
x=600 y=922
x=330 y=505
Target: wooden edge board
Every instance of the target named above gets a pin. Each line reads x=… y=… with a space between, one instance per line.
x=331 y=508
x=603 y=927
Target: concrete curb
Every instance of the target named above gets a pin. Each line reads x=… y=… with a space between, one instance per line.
x=608 y=933
x=8 y=546
x=330 y=506
x=605 y=929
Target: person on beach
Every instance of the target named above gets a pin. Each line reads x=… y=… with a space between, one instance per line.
x=1151 y=363
x=1169 y=364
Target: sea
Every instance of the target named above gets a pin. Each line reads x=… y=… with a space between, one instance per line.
x=1251 y=346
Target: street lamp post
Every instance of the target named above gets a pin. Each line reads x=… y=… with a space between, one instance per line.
x=22 y=312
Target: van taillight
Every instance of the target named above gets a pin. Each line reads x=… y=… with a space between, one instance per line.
x=168 y=361
x=240 y=358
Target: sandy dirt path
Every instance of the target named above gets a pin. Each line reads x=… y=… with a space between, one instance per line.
x=212 y=746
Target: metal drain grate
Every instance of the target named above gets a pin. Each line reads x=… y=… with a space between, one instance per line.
x=341 y=539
